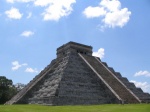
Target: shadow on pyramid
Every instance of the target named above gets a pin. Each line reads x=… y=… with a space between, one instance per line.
x=76 y=77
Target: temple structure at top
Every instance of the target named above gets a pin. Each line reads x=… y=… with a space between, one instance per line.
x=74 y=47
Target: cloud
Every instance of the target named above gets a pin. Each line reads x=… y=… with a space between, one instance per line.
x=10 y=1
x=145 y=86
x=43 y=3
x=13 y=13
x=98 y=11
x=55 y=9
x=27 y=33
x=24 y=1
x=111 y=5
x=29 y=15
x=118 y=18
x=31 y=70
x=16 y=65
x=111 y=12
x=142 y=73
x=100 y=53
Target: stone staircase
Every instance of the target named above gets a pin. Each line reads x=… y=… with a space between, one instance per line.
x=71 y=82
x=32 y=83
x=80 y=85
x=118 y=88
x=47 y=91
x=144 y=97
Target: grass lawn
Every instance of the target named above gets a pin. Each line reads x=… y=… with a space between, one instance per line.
x=89 y=108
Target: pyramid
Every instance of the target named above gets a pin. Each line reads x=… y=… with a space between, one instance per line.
x=76 y=77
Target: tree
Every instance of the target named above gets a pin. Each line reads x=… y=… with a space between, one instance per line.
x=19 y=86
x=7 y=90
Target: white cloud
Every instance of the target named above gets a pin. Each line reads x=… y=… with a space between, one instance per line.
x=98 y=11
x=145 y=86
x=43 y=2
x=100 y=53
x=112 y=13
x=117 y=18
x=142 y=73
x=111 y=5
x=55 y=9
x=27 y=33
x=24 y=1
x=31 y=70
x=29 y=15
x=16 y=65
x=13 y=13
x=10 y=1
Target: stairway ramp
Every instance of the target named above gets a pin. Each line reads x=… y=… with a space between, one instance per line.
x=110 y=80
x=32 y=83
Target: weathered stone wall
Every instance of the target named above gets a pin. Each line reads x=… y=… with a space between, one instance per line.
x=80 y=85
x=72 y=83
x=73 y=47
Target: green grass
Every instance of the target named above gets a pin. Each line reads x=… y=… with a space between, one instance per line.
x=90 y=108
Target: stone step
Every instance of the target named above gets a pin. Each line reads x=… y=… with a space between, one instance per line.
x=137 y=91
x=18 y=96
x=70 y=100
x=111 y=80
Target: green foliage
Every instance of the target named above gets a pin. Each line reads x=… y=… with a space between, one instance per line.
x=19 y=86
x=90 y=108
x=7 y=90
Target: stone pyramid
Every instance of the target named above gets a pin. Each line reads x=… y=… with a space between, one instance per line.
x=76 y=77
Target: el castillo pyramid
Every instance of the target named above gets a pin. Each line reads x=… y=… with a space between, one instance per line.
x=76 y=77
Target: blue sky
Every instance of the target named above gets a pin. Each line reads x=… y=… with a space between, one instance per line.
x=32 y=30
